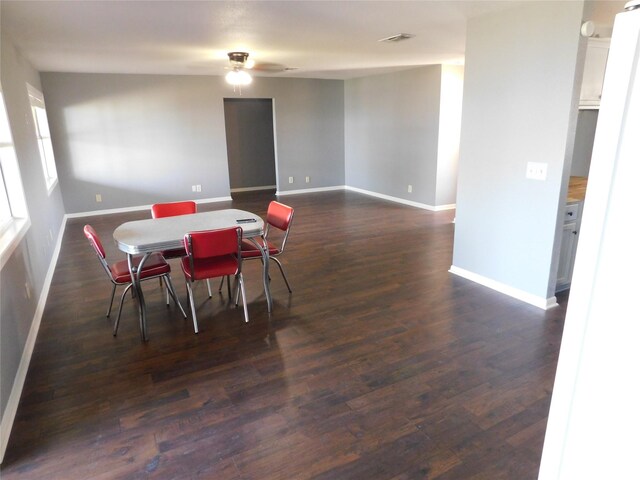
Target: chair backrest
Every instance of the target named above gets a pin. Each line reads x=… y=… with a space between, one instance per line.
x=94 y=239
x=160 y=210
x=208 y=244
x=213 y=243
x=279 y=216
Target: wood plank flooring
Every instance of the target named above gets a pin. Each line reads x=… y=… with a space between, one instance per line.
x=379 y=365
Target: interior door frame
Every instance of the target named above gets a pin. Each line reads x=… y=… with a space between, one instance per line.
x=275 y=136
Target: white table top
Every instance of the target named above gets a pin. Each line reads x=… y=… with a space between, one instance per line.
x=157 y=234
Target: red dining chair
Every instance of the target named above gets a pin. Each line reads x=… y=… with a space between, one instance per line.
x=172 y=209
x=154 y=267
x=279 y=216
x=211 y=254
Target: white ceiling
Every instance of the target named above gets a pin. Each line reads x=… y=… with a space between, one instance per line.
x=321 y=39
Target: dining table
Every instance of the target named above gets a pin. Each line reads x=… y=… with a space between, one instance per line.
x=144 y=237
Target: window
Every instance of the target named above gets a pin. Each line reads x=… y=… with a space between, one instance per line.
x=7 y=154
x=14 y=219
x=44 y=137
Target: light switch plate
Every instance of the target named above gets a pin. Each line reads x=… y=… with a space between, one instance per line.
x=537 y=170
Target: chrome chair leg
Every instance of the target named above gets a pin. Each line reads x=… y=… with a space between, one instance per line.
x=209 y=288
x=113 y=292
x=193 y=307
x=172 y=292
x=244 y=297
x=115 y=326
x=282 y=272
x=236 y=289
x=228 y=285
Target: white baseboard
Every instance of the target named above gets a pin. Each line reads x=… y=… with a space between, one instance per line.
x=213 y=200
x=138 y=208
x=310 y=190
x=441 y=208
x=253 y=189
x=424 y=206
x=11 y=409
x=536 y=301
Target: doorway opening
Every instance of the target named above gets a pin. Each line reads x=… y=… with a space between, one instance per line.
x=250 y=144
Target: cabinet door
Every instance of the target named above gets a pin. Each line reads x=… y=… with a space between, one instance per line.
x=593 y=76
x=567 y=254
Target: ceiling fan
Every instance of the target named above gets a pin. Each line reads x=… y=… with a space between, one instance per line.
x=238 y=75
x=239 y=62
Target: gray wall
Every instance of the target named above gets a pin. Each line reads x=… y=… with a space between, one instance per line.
x=250 y=142
x=520 y=105
x=141 y=139
x=30 y=261
x=585 y=133
x=391 y=132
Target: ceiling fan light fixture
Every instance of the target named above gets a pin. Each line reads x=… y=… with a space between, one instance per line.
x=238 y=78
x=238 y=58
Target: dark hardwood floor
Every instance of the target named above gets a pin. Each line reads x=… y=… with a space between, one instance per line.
x=380 y=365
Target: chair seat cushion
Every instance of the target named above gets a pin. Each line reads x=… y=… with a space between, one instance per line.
x=154 y=266
x=210 y=267
x=249 y=249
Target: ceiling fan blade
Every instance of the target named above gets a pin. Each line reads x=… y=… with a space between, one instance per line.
x=269 y=67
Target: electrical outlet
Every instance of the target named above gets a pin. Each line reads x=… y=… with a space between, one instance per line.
x=307 y=179
x=193 y=188
x=290 y=179
x=98 y=198
x=536 y=170
x=409 y=188
x=198 y=188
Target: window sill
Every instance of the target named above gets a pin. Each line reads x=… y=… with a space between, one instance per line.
x=11 y=238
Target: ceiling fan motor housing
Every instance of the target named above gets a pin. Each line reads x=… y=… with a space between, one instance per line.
x=238 y=58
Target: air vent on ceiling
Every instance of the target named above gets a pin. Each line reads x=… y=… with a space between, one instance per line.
x=397 y=38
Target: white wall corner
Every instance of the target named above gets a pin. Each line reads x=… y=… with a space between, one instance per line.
x=536 y=301
x=410 y=203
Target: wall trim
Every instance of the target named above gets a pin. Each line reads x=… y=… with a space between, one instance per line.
x=138 y=208
x=310 y=190
x=11 y=409
x=536 y=301
x=447 y=206
x=424 y=206
x=411 y=203
x=253 y=189
x=212 y=200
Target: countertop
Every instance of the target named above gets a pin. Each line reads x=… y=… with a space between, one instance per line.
x=577 y=189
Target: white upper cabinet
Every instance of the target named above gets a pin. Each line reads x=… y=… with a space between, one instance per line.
x=594 y=66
